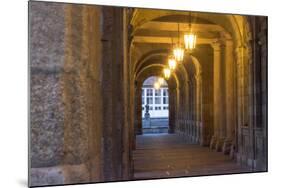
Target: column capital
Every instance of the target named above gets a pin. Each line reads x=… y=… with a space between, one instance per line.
x=217 y=45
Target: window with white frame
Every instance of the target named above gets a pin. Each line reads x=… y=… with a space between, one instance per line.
x=149 y=96
x=157 y=96
x=165 y=96
x=157 y=99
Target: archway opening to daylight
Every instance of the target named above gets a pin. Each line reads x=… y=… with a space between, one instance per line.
x=155 y=106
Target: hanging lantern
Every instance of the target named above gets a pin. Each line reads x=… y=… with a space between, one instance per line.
x=172 y=63
x=167 y=73
x=189 y=38
x=161 y=81
x=178 y=53
x=156 y=85
x=189 y=41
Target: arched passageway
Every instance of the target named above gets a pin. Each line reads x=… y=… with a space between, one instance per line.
x=208 y=89
x=155 y=105
x=89 y=86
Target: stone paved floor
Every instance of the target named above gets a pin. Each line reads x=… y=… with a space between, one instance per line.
x=167 y=155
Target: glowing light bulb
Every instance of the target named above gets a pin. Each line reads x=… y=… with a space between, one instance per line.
x=178 y=53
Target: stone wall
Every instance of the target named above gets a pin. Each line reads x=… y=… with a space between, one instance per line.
x=252 y=135
x=79 y=131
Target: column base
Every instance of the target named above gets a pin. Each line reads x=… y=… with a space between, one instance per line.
x=219 y=144
x=232 y=152
x=226 y=146
x=213 y=142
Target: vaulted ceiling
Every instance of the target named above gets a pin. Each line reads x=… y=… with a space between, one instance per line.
x=154 y=31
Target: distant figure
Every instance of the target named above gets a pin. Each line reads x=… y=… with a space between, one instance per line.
x=146 y=115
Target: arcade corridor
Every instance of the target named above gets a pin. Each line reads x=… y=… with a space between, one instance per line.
x=87 y=68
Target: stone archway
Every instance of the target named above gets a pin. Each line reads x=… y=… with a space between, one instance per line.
x=154 y=70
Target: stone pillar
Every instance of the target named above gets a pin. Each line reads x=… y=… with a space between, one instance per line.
x=246 y=87
x=198 y=107
x=189 y=113
x=172 y=109
x=113 y=92
x=185 y=108
x=230 y=96
x=66 y=80
x=138 y=109
x=127 y=147
x=240 y=90
x=217 y=59
x=193 y=109
x=182 y=108
x=219 y=123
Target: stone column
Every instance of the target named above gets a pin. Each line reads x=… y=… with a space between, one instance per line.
x=198 y=107
x=176 y=108
x=219 y=126
x=172 y=109
x=230 y=97
x=217 y=59
x=186 y=107
x=138 y=109
x=189 y=114
x=194 y=110
x=240 y=91
x=113 y=92
x=182 y=109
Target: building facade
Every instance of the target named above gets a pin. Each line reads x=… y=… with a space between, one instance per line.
x=157 y=99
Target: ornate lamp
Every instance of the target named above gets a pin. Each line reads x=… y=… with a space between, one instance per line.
x=172 y=63
x=189 y=38
x=189 y=41
x=167 y=73
x=178 y=51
